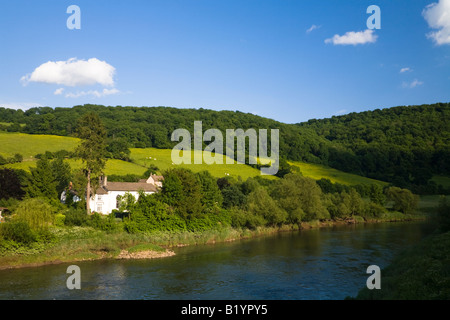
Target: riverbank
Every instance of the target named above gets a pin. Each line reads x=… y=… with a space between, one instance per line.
x=419 y=273
x=78 y=244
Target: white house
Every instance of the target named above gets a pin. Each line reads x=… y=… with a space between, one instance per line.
x=106 y=198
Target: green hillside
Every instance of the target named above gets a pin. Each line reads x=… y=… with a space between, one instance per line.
x=30 y=145
x=142 y=158
x=406 y=146
x=317 y=172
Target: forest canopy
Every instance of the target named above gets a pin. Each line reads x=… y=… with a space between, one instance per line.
x=403 y=145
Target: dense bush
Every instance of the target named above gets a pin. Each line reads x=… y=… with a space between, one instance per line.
x=75 y=217
x=37 y=213
x=19 y=232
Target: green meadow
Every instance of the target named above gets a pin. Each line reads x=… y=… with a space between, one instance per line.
x=317 y=172
x=30 y=145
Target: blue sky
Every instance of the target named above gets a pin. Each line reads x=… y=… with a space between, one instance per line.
x=276 y=59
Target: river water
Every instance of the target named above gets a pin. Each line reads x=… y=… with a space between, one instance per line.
x=327 y=263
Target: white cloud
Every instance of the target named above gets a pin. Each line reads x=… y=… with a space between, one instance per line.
x=58 y=91
x=413 y=84
x=94 y=93
x=312 y=28
x=403 y=70
x=73 y=73
x=353 y=38
x=438 y=17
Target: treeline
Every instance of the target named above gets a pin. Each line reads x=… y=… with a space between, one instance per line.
x=402 y=145
x=188 y=202
x=197 y=201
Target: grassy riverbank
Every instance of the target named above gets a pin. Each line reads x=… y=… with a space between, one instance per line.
x=72 y=244
x=419 y=273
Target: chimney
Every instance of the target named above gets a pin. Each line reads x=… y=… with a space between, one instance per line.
x=103 y=181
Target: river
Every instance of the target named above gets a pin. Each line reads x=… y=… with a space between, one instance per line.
x=326 y=264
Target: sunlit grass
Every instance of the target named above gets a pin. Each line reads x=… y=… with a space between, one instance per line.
x=317 y=172
x=29 y=145
x=162 y=158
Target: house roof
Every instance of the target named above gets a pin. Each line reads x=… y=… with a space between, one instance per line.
x=154 y=177
x=126 y=186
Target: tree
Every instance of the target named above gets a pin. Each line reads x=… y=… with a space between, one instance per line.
x=36 y=213
x=261 y=204
x=211 y=195
x=42 y=181
x=92 y=149
x=62 y=172
x=118 y=149
x=182 y=190
x=376 y=194
x=295 y=191
x=403 y=199
x=10 y=185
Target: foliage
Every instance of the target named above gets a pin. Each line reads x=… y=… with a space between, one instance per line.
x=150 y=214
x=260 y=204
x=182 y=190
x=403 y=200
x=103 y=223
x=36 y=213
x=443 y=213
x=419 y=273
x=19 y=232
x=75 y=217
x=92 y=149
x=403 y=145
x=117 y=148
x=11 y=185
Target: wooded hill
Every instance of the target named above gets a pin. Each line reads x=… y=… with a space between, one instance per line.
x=403 y=145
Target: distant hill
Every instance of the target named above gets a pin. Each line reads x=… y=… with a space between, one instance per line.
x=403 y=145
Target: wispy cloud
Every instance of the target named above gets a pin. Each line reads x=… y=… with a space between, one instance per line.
x=94 y=93
x=353 y=38
x=406 y=69
x=312 y=28
x=415 y=83
x=58 y=91
x=438 y=17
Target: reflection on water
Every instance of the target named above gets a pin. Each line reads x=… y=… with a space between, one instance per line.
x=325 y=263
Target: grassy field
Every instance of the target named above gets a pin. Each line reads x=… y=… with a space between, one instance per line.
x=317 y=172
x=440 y=180
x=30 y=145
x=163 y=160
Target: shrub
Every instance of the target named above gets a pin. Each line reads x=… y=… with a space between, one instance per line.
x=99 y=222
x=404 y=200
x=372 y=210
x=76 y=217
x=37 y=213
x=17 y=231
x=59 y=220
